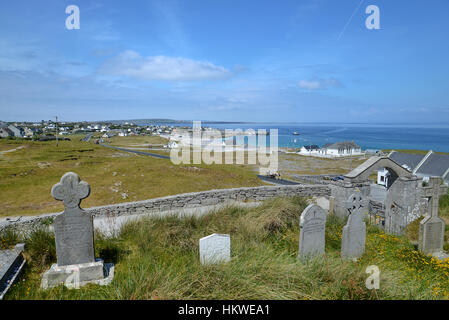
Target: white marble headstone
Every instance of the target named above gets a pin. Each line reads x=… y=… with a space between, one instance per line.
x=215 y=248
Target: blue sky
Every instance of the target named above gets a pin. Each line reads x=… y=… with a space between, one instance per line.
x=284 y=61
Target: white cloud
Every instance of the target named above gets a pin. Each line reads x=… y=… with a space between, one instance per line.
x=309 y=85
x=132 y=64
x=319 y=84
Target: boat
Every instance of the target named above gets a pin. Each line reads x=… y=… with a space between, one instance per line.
x=296 y=133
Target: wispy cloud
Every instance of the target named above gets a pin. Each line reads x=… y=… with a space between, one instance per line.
x=319 y=84
x=132 y=64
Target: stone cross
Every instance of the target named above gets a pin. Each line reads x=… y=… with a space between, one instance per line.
x=74 y=232
x=215 y=248
x=434 y=191
x=312 y=232
x=431 y=228
x=354 y=232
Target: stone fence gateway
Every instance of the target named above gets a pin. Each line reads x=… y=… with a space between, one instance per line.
x=195 y=200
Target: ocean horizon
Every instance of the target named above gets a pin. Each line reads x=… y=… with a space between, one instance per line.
x=367 y=136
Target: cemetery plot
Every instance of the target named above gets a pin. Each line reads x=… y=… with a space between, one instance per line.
x=159 y=259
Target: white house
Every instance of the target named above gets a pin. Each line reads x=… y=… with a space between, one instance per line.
x=310 y=150
x=338 y=149
x=341 y=149
x=172 y=145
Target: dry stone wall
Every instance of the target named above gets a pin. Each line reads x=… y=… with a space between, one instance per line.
x=183 y=201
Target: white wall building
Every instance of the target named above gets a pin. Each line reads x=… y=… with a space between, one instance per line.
x=338 y=149
x=341 y=149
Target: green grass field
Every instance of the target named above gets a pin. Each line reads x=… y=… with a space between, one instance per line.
x=159 y=259
x=27 y=175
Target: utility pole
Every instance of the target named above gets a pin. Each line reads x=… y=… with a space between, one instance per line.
x=56 y=131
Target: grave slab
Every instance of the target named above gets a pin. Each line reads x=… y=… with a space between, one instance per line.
x=11 y=264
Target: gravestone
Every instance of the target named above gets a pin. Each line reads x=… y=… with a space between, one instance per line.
x=431 y=228
x=354 y=232
x=215 y=248
x=11 y=264
x=312 y=232
x=74 y=236
x=331 y=205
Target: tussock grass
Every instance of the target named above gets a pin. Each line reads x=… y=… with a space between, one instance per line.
x=158 y=258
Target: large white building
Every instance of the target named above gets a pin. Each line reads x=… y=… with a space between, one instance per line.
x=337 y=149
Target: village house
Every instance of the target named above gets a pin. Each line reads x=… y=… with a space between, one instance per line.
x=5 y=132
x=18 y=131
x=29 y=132
x=312 y=149
x=109 y=134
x=341 y=149
x=422 y=165
x=337 y=149
x=172 y=145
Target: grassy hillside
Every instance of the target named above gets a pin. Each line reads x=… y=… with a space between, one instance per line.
x=28 y=173
x=159 y=259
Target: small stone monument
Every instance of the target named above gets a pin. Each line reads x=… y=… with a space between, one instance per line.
x=11 y=264
x=74 y=236
x=331 y=205
x=312 y=232
x=215 y=248
x=431 y=228
x=354 y=232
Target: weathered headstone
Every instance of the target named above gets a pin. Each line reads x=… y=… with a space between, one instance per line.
x=74 y=236
x=331 y=205
x=11 y=263
x=354 y=232
x=431 y=228
x=312 y=232
x=74 y=232
x=215 y=248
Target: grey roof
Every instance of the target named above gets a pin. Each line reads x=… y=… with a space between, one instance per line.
x=312 y=147
x=435 y=165
x=408 y=159
x=341 y=145
x=7 y=130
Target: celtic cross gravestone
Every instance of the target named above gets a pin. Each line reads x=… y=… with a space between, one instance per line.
x=431 y=228
x=74 y=236
x=354 y=232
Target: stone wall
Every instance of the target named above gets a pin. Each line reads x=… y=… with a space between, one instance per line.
x=183 y=201
x=341 y=192
x=316 y=179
